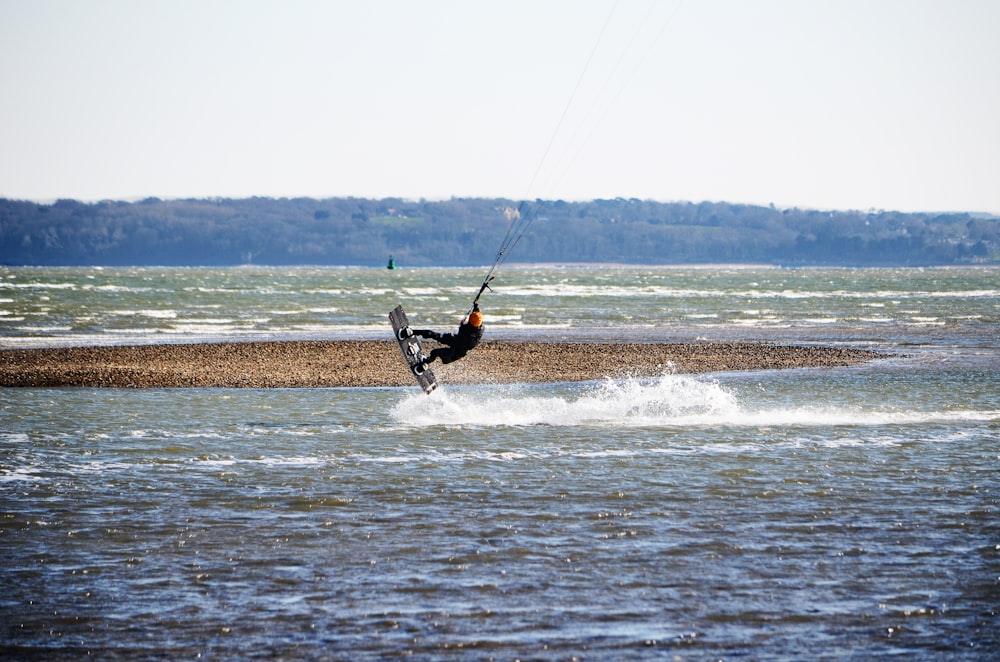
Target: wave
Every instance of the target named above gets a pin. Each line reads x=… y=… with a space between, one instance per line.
x=671 y=399
x=605 y=290
x=667 y=401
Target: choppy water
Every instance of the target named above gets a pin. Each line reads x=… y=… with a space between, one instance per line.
x=844 y=513
x=45 y=306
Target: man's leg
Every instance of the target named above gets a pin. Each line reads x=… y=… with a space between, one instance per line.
x=442 y=353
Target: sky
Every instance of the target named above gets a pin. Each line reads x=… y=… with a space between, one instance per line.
x=821 y=104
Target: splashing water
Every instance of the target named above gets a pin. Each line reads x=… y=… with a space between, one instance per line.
x=667 y=400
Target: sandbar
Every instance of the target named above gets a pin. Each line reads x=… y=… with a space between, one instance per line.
x=377 y=363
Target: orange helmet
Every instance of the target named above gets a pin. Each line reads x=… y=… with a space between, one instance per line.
x=476 y=318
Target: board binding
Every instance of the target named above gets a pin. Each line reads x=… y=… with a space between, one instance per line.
x=413 y=352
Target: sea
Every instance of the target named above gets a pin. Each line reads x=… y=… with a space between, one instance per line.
x=844 y=513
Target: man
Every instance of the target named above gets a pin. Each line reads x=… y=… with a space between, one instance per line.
x=456 y=345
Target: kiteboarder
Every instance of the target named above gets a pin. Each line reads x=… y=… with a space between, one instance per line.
x=456 y=345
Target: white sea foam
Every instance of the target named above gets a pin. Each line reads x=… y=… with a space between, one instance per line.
x=151 y=313
x=669 y=401
x=19 y=474
x=159 y=314
x=855 y=416
x=41 y=329
x=40 y=286
x=627 y=291
x=115 y=288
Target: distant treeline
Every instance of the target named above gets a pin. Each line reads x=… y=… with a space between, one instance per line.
x=458 y=232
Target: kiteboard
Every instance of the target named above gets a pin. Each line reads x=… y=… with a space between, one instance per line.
x=413 y=353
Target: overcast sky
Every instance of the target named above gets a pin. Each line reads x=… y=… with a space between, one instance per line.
x=828 y=104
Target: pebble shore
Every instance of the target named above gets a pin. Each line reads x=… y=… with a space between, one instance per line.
x=354 y=363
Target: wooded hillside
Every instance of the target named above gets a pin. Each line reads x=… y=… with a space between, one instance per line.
x=457 y=232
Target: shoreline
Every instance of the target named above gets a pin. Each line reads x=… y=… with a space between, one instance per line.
x=377 y=363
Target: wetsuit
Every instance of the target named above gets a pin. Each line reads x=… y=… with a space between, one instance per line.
x=456 y=345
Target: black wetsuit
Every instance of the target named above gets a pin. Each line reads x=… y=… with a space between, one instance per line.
x=456 y=345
